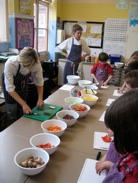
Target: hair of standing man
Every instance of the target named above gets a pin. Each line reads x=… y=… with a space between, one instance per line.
x=103 y=57
x=28 y=57
x=131 y=78
x=76 y=28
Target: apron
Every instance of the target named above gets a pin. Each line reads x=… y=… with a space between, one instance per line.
x=114 y=176
x=73 y=60
x=101 y=74
x=21 y=87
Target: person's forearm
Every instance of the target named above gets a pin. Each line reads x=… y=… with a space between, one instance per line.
x=109 y=78
x=94 y=77
x=40 y=92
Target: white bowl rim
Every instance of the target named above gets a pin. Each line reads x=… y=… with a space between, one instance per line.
x=49 y=134
x=76 y=77
x=68 y=111
x=40 y=149
x=88 y=107
x=73 y=98
x=57 y=120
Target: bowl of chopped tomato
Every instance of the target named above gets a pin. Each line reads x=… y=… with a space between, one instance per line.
x=46 y=141
x=54 y=126
x=81 y=109
x=68 y=116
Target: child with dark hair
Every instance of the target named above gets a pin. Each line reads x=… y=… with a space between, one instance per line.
x=132 y=66
x=111 y=157
x=122 y=118
x=131 y=79
x=102 y=71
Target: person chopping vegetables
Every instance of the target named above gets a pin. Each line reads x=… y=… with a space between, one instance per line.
x=74 y=48
x=15 y=77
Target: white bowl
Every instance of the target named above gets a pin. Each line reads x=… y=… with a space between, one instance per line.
x=64 y=113
x=54 y=122
x=24 y=154
x=119 y=64
x=88 y=91
x=89 y=99
x=81 y=113
x=82 y=83
x=73 y=79
x=45 y=138
x=91 y=86
x=73 y=100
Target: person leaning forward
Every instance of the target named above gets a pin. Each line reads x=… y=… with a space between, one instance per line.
x=17 y=70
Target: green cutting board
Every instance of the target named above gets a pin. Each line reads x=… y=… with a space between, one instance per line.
x=41 y=116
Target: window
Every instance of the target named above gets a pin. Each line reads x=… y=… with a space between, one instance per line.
x=41 y=11
x=3 y=18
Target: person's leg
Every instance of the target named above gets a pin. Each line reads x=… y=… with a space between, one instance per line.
x=11 y=110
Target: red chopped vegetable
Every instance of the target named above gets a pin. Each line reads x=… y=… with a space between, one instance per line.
x=106 y=138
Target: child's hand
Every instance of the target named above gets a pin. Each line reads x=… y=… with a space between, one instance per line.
x=100 y=166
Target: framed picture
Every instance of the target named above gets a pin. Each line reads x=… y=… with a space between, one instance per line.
x=93 y=32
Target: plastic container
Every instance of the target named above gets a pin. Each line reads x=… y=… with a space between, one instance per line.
x=114 y=58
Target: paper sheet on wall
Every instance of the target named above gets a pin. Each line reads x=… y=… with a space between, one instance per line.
x=88 y=173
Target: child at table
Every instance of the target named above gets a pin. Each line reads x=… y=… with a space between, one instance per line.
x=121 y=117
x=134 y=57
x=131 y=80
x=102 y=71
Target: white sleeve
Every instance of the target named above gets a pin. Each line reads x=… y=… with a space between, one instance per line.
x=10 y=71
x=65 y=45
x=37 y=74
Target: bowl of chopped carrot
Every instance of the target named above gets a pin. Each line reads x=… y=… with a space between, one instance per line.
x=54 y=126
x=46 y=141
x=81 y=109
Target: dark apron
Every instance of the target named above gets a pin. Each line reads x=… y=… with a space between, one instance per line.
x=21 y=87
x=73 y=61
x=114 y=176
x=101 y=74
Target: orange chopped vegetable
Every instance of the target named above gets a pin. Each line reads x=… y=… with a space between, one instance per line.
x=47 y=145
x=80 y=108
x=54 y=128
x=106 y=138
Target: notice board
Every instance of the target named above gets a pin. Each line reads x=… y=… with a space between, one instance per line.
x=92 y=32
x=24 y=33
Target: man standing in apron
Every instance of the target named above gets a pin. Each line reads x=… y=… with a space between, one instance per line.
x=74 y=47
x=15 y=82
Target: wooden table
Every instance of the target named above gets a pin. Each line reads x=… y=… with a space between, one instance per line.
x=76 y=143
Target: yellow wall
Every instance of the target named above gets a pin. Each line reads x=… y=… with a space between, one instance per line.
x=91 y=12
x=14 y=6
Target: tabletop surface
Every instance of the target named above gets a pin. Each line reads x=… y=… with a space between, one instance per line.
x=66 y=163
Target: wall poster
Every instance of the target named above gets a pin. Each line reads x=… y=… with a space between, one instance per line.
x=24 y=33
x=92 y=32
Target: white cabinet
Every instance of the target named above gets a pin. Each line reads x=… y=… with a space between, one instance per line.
x=86 y=71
